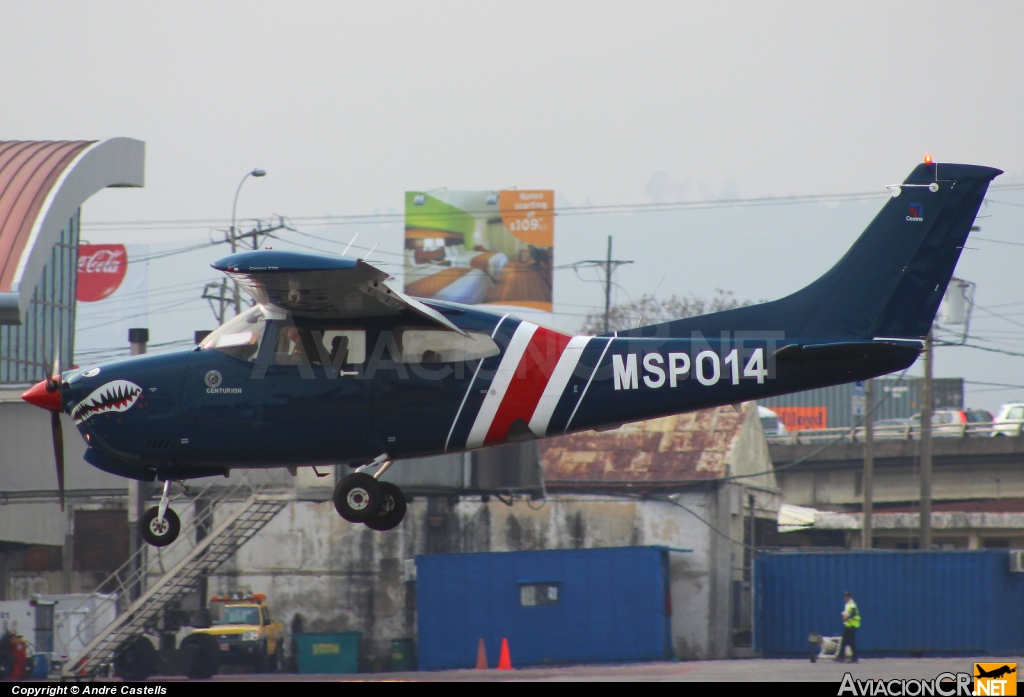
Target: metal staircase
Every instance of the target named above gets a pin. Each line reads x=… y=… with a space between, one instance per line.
x=237 y=512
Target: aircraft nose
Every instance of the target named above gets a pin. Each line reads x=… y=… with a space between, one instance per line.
x=45 y=398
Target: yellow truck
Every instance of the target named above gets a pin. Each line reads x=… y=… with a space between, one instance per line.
x=245 y=632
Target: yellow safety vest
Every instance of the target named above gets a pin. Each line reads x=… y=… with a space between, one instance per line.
x=852 y=615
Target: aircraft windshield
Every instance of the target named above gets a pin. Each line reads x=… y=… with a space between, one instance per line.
x=240 y=615
x=239 y=337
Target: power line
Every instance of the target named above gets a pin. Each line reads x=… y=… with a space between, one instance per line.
x=383 y=218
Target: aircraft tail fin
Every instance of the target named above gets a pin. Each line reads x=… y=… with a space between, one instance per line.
x=890 y=282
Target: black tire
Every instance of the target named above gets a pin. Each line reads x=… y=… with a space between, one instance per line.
x=358 y=498
x=135 y=659
x=203 y=656
x=159 y=533
x=392 y=511
x=261 y=661
x=277 y=660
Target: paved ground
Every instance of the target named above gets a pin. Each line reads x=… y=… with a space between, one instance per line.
x=750 y=670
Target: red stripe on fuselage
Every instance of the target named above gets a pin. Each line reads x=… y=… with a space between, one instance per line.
x=528 y=383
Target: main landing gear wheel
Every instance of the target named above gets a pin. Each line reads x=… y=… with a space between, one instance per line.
x=358 y=498
x=393 y=509
x=158 y=531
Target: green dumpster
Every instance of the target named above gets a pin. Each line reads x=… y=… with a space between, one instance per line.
x=328 y=653
x=403 y=655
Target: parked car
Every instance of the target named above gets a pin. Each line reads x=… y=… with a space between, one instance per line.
x=889 y=428
x=773 y=428
x=1008 y=421
x=954 y=423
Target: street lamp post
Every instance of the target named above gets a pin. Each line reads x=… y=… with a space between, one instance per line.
x=234 y=232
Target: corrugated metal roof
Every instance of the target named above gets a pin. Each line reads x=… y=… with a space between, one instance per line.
x=685 y=447
x=28 y=172
x=42 y=185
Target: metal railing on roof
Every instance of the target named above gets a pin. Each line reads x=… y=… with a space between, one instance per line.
x=907 y=431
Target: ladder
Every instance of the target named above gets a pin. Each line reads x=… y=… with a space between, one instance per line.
x=189 y=561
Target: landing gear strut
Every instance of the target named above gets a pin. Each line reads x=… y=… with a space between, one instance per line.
x=362 y=498
x=160 y=525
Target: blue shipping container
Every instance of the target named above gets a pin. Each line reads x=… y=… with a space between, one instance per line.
x=557 y=606
x=941 y=603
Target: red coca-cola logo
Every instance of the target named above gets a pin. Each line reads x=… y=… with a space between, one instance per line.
x=101 y=268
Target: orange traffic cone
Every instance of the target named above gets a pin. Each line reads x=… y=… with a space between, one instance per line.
x=481 y=656
x=505 y=660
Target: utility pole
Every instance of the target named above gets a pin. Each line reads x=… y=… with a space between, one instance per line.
x=217 y=292
x=254 y=237
x=869 y=464
x=926 y=448
x=608 y=265
x=138 y=337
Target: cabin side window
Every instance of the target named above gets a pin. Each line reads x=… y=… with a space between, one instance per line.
x=443 y=346
x=319 y=345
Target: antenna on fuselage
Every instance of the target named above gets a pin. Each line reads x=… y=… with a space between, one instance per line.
x=350 y=244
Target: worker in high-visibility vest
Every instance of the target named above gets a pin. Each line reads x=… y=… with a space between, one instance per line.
x=851 y=621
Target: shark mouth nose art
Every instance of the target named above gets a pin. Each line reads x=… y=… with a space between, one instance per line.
x=118 y=395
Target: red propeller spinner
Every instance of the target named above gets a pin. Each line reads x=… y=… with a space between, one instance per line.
x=44 y=395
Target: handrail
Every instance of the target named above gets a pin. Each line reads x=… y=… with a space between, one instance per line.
x=148 y=595
x=134 y=571
x=908 y=431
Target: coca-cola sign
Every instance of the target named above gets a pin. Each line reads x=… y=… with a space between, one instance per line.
x=101 y=268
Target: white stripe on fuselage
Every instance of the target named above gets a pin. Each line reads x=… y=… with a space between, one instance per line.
x=472 y=382
x=567 y=363
x=499 y=385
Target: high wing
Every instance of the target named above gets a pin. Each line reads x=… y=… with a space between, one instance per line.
x=309 y=285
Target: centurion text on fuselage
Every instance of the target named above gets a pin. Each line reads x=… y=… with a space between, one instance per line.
x=333 y=365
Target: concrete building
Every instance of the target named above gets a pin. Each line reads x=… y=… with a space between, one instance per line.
x=653 y=483
x=43 y=185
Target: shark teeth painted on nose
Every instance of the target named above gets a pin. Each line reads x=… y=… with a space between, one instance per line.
x=118 y=395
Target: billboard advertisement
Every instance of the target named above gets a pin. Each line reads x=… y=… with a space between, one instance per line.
x=112 y=297
x=481 y=247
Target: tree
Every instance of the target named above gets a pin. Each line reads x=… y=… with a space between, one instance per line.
x=650 y=310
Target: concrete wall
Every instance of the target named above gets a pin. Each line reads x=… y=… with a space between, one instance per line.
x=834 y=487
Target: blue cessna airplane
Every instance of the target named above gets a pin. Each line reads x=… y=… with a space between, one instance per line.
x=334 y=365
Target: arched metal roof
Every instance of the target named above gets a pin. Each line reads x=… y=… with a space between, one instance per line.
x=42 y=184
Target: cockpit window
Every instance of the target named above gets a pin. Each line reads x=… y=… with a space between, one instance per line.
x=239 y=337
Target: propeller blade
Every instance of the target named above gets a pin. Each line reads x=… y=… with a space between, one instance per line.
x=53 y=381
x=58 y=452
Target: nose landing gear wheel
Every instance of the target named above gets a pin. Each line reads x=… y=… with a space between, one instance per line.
x=392 y=511
x=159 y=532
x=358 y=498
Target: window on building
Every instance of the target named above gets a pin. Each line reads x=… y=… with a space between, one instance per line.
x=442 y=346
x=531 y=594
x=100 y=540
x=995 y=543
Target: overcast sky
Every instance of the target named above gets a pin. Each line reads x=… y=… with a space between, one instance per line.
x=347 y=105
